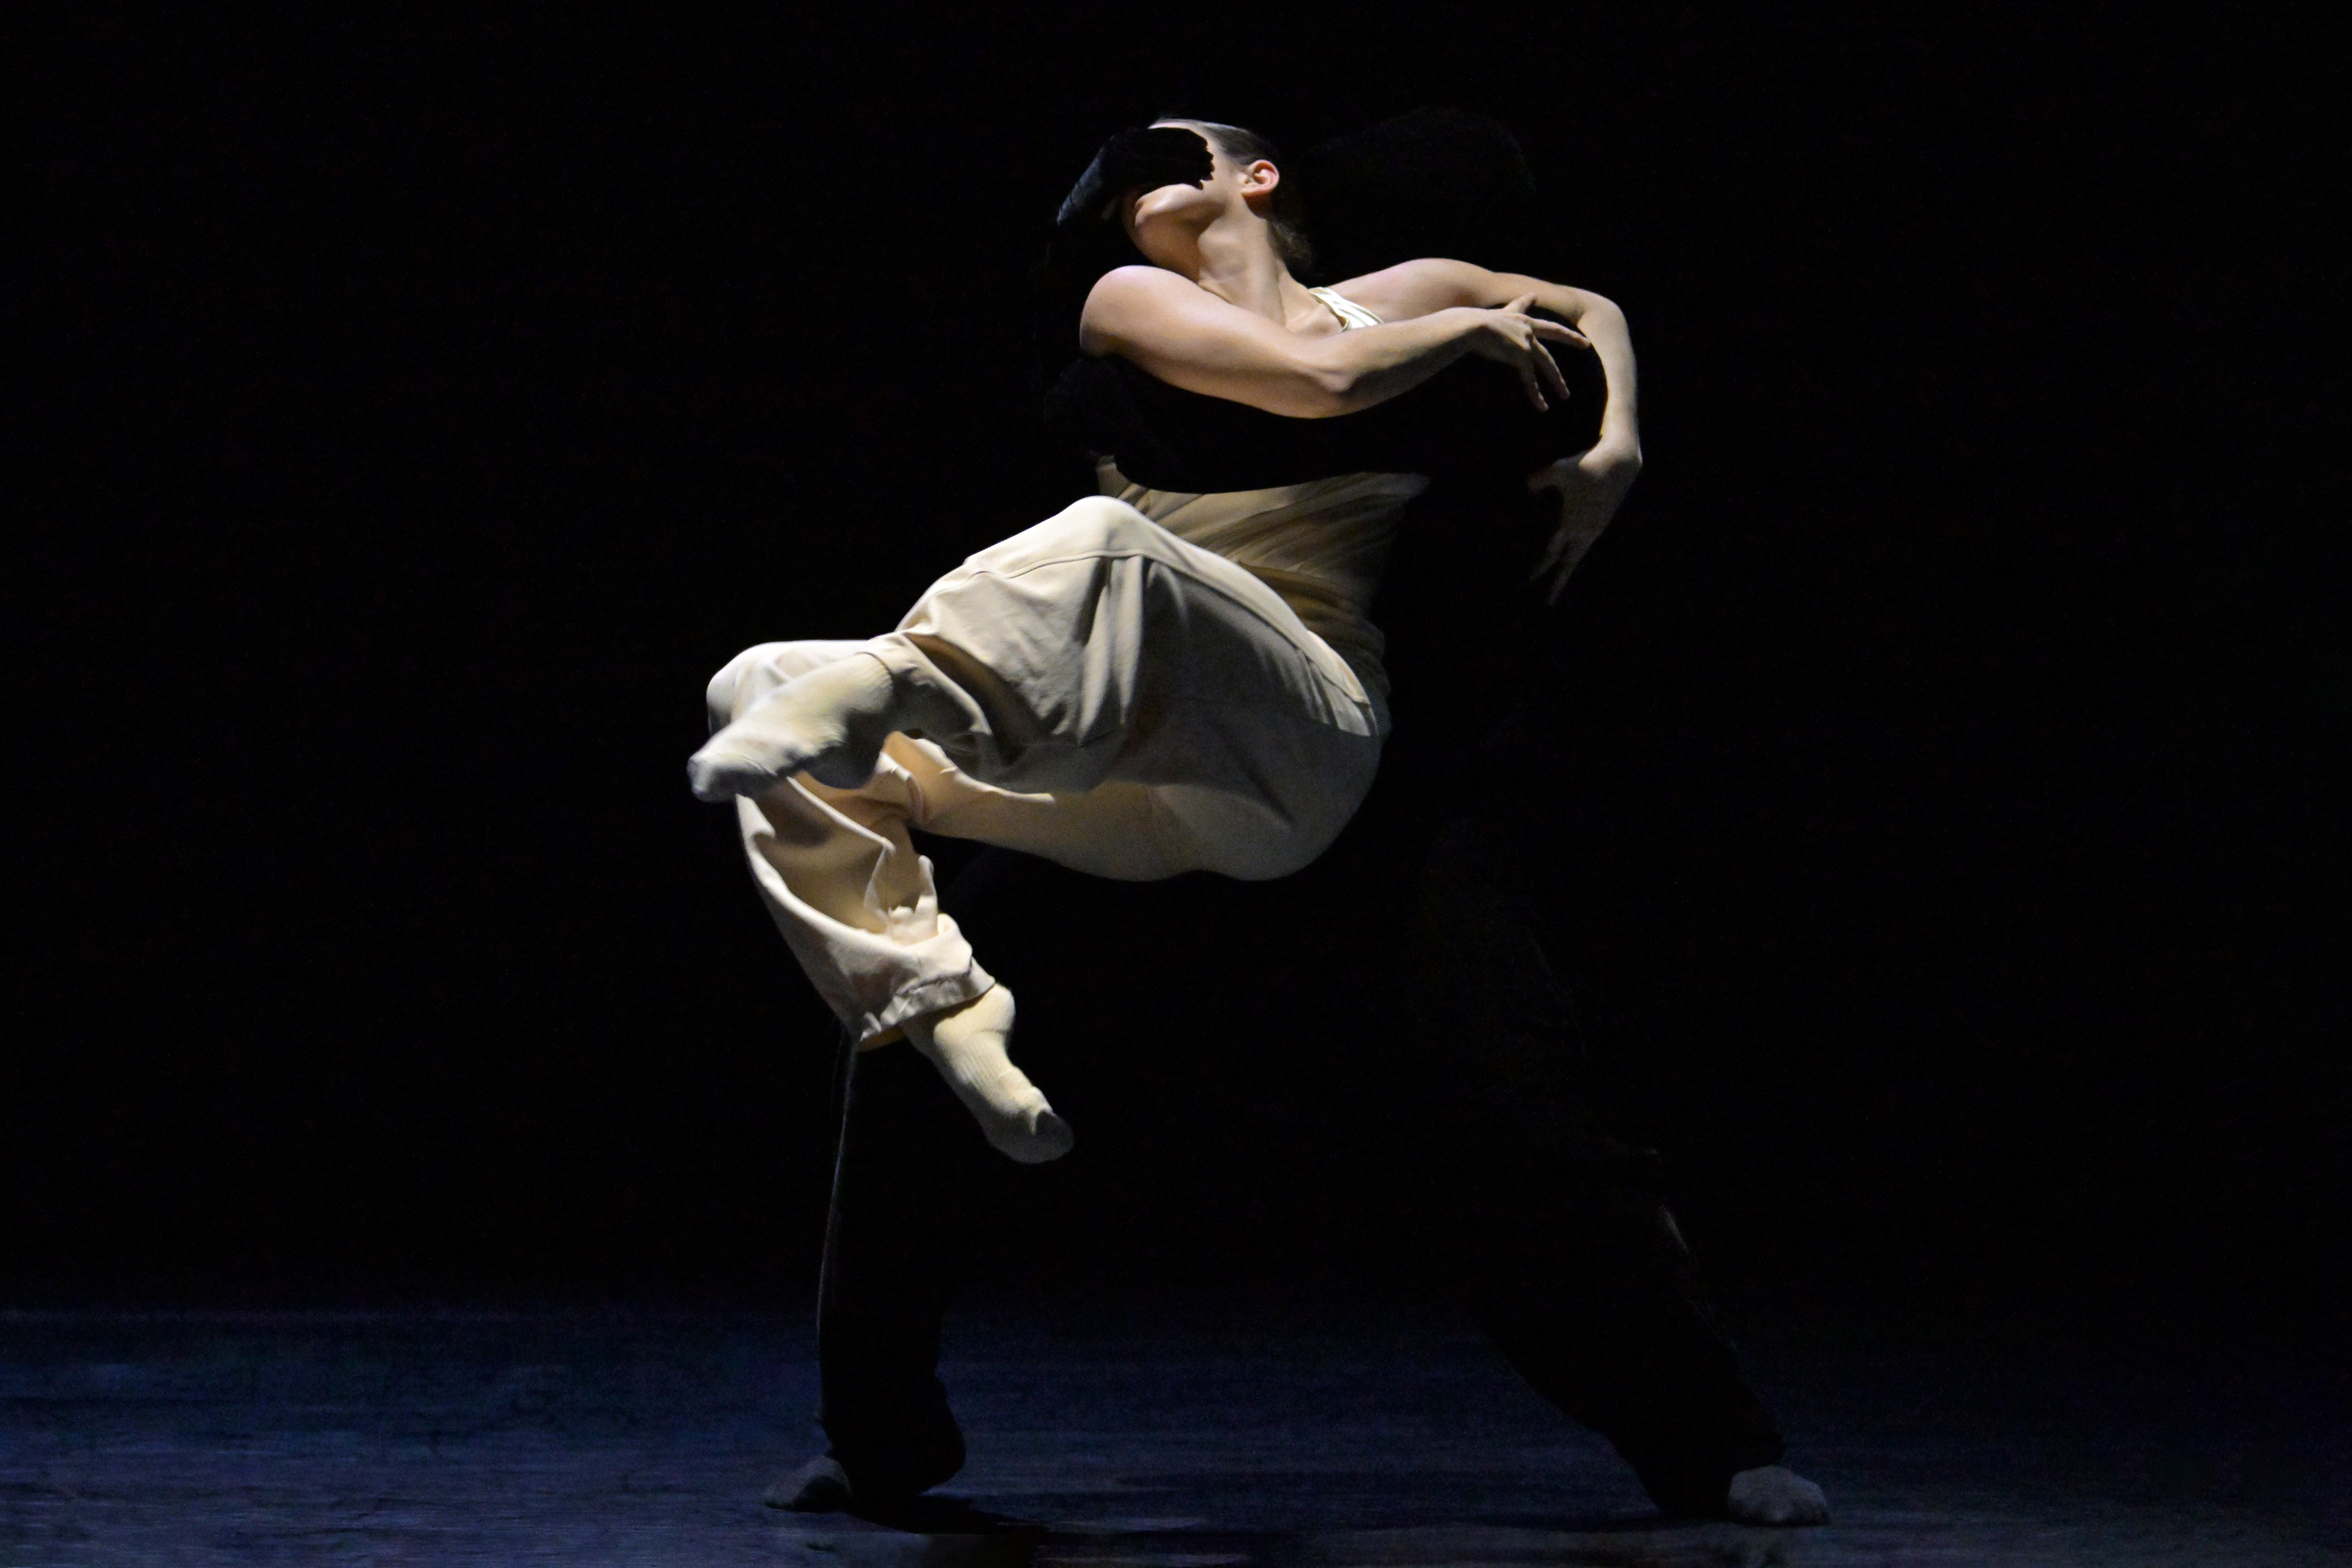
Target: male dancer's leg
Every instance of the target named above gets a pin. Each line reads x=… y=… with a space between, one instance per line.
x=904 y=1174
x=1568 y=1253
x=1555 y=1229
x=909 y=1173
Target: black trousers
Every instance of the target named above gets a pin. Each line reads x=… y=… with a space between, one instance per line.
x=1556 y=1232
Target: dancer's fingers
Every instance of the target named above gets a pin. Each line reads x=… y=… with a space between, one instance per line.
x=1529 y=379
x=1567 y=568
x=1552 y=373
x=1551 y=552
x=1555 y=571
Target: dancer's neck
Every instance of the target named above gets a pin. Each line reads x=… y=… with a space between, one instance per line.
x=1233 y=260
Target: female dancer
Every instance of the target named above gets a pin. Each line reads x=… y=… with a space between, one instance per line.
x=1148 y=683
x=1156 y=681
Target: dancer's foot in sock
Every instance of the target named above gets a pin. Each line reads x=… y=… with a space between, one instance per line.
x=967 y=1044
x=829 y=725
x=821 y=1486
x=1774 y=1494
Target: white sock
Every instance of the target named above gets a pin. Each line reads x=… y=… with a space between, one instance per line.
x=1774 y=1494
x=967 y=1045
x=829 y=725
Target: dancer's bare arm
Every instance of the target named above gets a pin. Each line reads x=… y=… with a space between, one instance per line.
x=1590 y=484
x=1417 y=288
x=1187 y=337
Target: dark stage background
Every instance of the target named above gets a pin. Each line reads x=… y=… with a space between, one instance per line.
x=1933 y=772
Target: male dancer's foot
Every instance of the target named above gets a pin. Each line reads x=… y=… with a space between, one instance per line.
x=821 y=1486
x=824 y=1484
x=1774 y=1494
x=967 y=1044
x=829 y=725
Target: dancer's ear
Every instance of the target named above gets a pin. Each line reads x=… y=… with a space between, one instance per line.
x=1258 y=181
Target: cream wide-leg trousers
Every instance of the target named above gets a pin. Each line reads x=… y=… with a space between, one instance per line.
x=1137 y=708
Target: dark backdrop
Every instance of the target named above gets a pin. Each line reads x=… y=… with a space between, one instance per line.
x=1930 y=779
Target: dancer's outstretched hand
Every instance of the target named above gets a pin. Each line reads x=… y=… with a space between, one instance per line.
x=1591 y=486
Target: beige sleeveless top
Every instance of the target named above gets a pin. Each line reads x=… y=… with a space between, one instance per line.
x=1320 y=545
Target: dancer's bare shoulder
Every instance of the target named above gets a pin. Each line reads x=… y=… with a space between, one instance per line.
x=1421 y=287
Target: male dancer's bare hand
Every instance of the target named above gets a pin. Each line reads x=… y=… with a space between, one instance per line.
x=1590 y=486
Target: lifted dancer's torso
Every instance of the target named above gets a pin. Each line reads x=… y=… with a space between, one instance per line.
x=1321 y=546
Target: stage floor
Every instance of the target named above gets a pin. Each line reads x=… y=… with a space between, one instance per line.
x=1312 y=1432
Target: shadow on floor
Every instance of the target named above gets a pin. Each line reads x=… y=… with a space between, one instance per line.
x=948 y=1532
